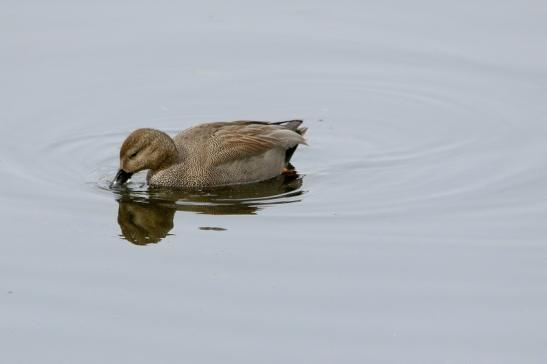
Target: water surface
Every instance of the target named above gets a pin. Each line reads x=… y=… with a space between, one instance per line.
x=414 y=232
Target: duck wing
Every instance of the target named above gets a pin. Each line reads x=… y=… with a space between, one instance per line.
x=244 y=139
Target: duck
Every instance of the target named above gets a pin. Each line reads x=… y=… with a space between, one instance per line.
x=211 y=154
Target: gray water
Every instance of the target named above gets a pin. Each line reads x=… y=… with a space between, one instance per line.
x=415 y=231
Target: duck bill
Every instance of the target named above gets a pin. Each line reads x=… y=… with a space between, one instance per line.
x=121 y=177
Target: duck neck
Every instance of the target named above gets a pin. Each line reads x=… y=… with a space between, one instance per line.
x=169 y=153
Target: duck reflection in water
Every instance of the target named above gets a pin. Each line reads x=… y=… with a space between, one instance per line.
x=146 y=216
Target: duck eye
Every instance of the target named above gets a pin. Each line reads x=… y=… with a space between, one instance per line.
x=133 y=155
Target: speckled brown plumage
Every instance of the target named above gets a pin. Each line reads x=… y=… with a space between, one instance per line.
x=212 y=154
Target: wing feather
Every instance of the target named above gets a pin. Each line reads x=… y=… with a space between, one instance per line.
x=239 y=141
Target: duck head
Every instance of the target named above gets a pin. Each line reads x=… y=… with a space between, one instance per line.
x=144 y=149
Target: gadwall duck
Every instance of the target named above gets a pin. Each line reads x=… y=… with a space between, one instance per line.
x=211 y=154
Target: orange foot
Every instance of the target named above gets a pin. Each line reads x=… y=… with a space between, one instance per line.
x=288 y=172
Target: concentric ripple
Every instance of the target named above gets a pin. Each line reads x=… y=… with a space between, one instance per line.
x=405 y=141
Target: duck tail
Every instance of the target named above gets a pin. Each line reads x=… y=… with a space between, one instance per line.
x=301 y=130
x=289 y=124
x=293 y=125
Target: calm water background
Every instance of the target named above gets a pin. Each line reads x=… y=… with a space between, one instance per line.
x=416 y=232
